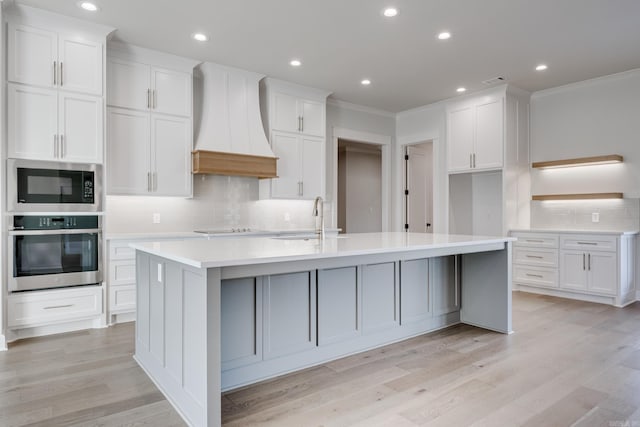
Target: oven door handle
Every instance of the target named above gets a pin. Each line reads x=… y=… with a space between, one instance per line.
x=51 y=232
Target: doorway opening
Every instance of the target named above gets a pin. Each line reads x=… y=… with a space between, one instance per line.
x=418 y=187
x=360 y=187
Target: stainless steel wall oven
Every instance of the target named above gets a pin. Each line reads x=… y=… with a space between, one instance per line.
x=54 y=251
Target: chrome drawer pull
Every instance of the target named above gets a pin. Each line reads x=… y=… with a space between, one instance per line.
x=588 y=243
x=534 y=256
x=58 y=306
x=539 y=276
x=534 y=241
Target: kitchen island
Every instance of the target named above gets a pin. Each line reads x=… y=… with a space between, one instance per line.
x=218 y=314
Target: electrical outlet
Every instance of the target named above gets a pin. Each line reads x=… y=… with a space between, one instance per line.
x=156 y=218
x=595 y=217
x=287 y=217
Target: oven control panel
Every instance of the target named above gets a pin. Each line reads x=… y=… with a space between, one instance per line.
x=50 y=222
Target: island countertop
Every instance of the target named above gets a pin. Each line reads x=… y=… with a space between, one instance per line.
x=262 y=250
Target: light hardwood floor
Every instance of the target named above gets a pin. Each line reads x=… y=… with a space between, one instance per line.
x=569 y=363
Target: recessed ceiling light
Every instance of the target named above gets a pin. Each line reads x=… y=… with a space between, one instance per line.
x=200 y=37
x=88 y=6
x=295 y=63
x=365 y=82
x=390 y=12
x=444 y=35
x=541 y=67
x=461 y=89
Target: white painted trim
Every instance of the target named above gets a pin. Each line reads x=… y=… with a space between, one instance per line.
x=135 y=53
x=3 y=340
x=369 y=138
x=296 y=89
x=584 y=83
x=358 y=107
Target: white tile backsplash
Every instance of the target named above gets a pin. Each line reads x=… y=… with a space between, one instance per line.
x=616 y=214
x=219 y=202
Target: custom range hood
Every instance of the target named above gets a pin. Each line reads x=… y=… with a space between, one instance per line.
x=228 y=131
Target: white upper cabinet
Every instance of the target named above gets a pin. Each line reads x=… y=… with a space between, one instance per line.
x=475 y=130
x=142 y=86
x=80 y=119
x=296 y=119
x=150 y=135
x=45 y=58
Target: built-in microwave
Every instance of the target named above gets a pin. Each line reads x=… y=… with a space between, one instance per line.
x=38 y=186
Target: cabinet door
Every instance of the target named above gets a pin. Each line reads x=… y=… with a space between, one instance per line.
x=338 y=305
x=80 y=128
x=240 y=322
x=489 y=135
x=32 y=53
x=460 y=139
x=380 y=308
x=128 y=84
x=172 y=92
x=128 y=152
x=415 y=305
x=603 y=272
x=289 y=313
x=171 y=155
x=286 y=114
x=312 y=113
x=444 y=284
x=312 y=171
x=80 y=66
x=32 y=122
x=288 y=184
x=573 y=270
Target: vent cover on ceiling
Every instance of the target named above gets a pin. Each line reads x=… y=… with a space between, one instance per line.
x=494 y=81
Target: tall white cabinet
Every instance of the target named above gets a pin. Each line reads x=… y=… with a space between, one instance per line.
x=150 y=122
x=488 y=162
x=295 y=120
x=55 y=69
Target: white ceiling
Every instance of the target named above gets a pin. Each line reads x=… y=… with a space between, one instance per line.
x=340 y=42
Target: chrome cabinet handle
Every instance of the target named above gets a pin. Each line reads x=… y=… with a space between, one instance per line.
x=583 y=262
x=149 y=181
x=62 y=148
x=61 y=75
x=155 y=99
x=55 y=73
x=302 y=124
x=148 y=98
x=474 y=160
x=589 y=262
x=534 y=241
x=51 y=307
x=470 y=161
x=534 y=256
x=535 y=275
x=302 y=188
x=55 y=145
x=155 y=181
x=588 y=243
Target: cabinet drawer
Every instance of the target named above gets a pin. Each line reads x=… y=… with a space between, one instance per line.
x=122 y=272
x=46 y=307
x=546 y=277
x=535 y=240
x=122 y=298
x=120 y=250
x=588 y=242
x=535 y=257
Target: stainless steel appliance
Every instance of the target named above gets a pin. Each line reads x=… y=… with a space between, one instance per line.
x=37 y=186
x=54 y=251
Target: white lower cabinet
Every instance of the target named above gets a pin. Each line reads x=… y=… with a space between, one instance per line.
x=597 y=267
x=44 y=308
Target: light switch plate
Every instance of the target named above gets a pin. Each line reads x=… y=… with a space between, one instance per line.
x=595 y=217
x=156 y=218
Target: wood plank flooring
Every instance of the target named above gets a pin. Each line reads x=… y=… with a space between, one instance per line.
x=569 y=363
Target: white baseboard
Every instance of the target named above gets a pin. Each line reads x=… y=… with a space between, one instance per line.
x=38 y=331
x=3 y=343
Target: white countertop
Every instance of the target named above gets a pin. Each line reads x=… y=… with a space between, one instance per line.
x=193 y=234
x=565 y=231
x=205 y=253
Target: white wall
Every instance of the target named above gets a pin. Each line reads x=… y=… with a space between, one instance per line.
x=600 y=116
x=414 y=127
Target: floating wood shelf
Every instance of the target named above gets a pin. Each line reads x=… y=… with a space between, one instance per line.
x=583 y=161
x=232 y=164
x=587 y=196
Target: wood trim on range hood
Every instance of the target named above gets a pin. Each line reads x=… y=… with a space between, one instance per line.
x=233 y=164
x=583 y=161
x=587 y=196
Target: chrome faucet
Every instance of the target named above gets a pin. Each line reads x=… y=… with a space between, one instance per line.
x=318 y=209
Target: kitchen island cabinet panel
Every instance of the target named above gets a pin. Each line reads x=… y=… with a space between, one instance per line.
x=142 y=294
x=415 y=303
x=241 y=322
x=338 y=304
x=380 y=292
x=157 y=310
x=289 y=313
x=445 y=285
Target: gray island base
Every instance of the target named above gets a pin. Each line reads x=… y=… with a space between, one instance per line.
x=214 y=315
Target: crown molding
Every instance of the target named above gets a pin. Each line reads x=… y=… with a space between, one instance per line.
x=361 y=108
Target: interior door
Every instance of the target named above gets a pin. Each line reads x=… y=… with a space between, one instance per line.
x=419 y=184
